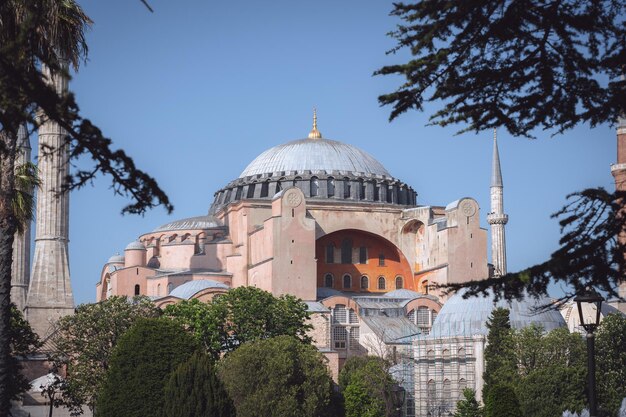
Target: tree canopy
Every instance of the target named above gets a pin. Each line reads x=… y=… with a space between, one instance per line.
x=519 y=64
x=279 y=376
x=47 y=35
x=194 y=390
x=611 y=363
x=241 y=315
x=85 y=342
x=23 y=342
x=468 y=406
x=140 y=366
x=367 y=387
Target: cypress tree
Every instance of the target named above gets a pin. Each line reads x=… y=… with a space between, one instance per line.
x=194 y=390
x=140 y=365
x=501 y=401
x=500 y=358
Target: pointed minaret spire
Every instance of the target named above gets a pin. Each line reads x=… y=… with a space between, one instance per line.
x=315 y=134
x=20 y=271
x=497 y=219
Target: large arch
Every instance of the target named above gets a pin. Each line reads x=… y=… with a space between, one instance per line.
x=364 y=246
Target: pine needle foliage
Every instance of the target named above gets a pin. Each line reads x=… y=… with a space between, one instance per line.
x=140 y=366
x=468 y=406
x=194 y=390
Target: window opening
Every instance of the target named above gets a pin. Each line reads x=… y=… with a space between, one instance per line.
x=381 y=283
x=346 y=251
x=398 y=283
x=362 y=255
x=330 y=254
x=314 y=187
x=364 y=282
x=347 y=281
x=328 y=281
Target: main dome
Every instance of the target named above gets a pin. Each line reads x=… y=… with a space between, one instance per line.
x=315 y=155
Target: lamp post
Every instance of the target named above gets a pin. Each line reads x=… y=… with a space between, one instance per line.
x=590 y=324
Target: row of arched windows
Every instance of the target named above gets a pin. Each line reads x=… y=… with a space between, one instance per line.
x=329 y=282
x=401 y=192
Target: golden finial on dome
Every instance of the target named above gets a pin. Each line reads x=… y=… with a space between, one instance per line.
x=315 y=134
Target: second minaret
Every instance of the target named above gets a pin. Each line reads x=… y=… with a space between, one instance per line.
x=497 y=219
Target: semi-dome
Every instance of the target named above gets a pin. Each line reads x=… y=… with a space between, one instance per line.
x=117 y=258
x=135 y=245
x=315 y=155
x=191 y=223
x=468 y=317
x=187 y=290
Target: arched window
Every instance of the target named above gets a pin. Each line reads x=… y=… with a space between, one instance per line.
x=346 y=251
x=330 y=186
x=346 y=187
x=376 y=190
x=296 y=180
x=238 y=193
x=330 y=254
x=170 y=287
x=347 y=281
x=461 y=353
x=365 y=282
x=340 y=314
x=314 y=187
x=389 y=194
x=445 y=354
x=279 y=186
x=381 y=259
x=381 y=283
x=328 y=281
x=411 y=316
x=447 y=390
x=423 y=319
x=363 y=255
x=398 y=283
x=432 y=392
x=137 y=289
x=251 y=190
x=462 y=386
x=361 y=189
x=265 y=188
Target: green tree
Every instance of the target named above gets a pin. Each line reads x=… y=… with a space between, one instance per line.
x=611 y=363
x=521 y=65
x=34 y=35
x=140 y=365
x=367 y=386
x=525 y=65
x=279 y=376
x=500 y=359
x=501 y=401
x=85 y=342
x=23 y=342
x=194 y=390
x=552 y=370
x=243 y=314
x=468 y=406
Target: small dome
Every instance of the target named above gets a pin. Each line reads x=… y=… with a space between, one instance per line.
x=191 y=288
x=136 y=245
x=572 y=317
x=191 y=223
x=468 y=317
x=116 y=259
x=314 y=155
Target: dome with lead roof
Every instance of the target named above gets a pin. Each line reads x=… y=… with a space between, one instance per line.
x=322 y=169
x=468 y=317
x=315 y=155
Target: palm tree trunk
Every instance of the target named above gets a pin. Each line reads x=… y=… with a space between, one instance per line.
x=7 y=232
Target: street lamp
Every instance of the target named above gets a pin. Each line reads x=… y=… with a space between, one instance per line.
x=590 y=324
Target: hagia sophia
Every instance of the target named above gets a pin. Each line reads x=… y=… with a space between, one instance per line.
x=326 y=222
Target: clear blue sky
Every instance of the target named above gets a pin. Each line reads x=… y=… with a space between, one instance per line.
x=196 y=90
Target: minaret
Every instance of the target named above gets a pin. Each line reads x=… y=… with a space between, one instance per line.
x=20 y=269
x=50 y=293
x=497 y=219
x=619 y=173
